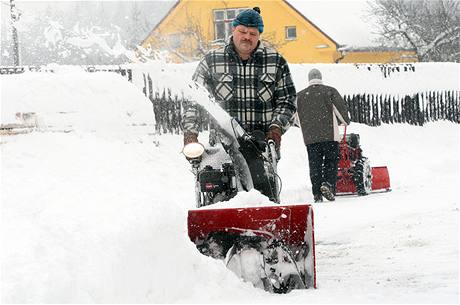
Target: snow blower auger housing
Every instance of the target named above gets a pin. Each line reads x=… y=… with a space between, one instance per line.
x=355 y=175
x=272 y=247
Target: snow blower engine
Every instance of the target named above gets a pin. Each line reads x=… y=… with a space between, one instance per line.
x=228 y=166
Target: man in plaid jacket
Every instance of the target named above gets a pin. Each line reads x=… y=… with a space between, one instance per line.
x=248 y=80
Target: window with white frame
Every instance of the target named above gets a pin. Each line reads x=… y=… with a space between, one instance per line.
x=223 y=22
x=291 y=33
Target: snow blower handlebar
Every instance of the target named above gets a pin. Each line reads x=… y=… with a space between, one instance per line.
x=344 y=161
x=273 y=154
x=274 y=160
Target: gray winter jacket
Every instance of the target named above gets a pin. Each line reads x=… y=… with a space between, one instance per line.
x=321 y=109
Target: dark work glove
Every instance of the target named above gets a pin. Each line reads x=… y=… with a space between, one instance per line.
x=274 y=133
x=190 y=138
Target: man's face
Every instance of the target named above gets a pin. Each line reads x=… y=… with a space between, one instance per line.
x=245 y=39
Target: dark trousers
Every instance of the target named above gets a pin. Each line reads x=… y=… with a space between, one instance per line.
x=323 y=158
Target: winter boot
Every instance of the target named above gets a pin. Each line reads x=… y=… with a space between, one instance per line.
x=327 y=191
x=318 y=198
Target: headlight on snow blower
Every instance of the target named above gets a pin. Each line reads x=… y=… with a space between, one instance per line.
x=193 y=150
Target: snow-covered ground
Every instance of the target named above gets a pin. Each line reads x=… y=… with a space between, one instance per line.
x=94 y=207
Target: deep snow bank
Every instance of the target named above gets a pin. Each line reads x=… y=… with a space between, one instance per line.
x=73 y=99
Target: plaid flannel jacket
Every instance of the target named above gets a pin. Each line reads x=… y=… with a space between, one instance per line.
x=258 y=94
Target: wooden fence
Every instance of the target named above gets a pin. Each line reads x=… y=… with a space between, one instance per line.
x=415 y=109
x=369 y=109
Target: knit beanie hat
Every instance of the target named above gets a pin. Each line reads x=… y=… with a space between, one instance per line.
x=250 y=18
x=314 y=74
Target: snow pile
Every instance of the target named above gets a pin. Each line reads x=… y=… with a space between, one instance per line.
x=96 y=107
x=93 y=218
x=396 y=79
x=199 y=94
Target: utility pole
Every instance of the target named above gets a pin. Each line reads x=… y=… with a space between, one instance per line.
x=14 y=17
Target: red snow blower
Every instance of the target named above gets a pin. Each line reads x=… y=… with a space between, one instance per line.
x=273 y=247
x=355 y=175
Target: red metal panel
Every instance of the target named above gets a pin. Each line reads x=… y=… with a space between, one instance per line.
x=380 y=181
x=380 y=178
x=282 y=222
x=292 y=224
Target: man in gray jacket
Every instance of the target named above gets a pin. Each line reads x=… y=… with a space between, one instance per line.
x=321 y=109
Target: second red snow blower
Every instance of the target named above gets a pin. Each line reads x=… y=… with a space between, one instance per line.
x=355 y=175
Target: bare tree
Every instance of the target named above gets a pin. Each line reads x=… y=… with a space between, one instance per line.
x=269 y=39
x=430 y=27
x=188 y=43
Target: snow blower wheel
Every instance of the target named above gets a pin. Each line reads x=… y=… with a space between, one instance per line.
x=363 y=176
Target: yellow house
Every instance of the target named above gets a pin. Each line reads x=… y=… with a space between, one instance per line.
x=192 y=27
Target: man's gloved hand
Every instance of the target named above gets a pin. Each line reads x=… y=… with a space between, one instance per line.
x=274 y=133
x=190 y=138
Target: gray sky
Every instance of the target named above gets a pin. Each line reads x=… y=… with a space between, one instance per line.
x=342 y=20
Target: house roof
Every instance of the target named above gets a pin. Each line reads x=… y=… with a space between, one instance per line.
x=161 y=21
x=285 y=1
x=311 y=22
